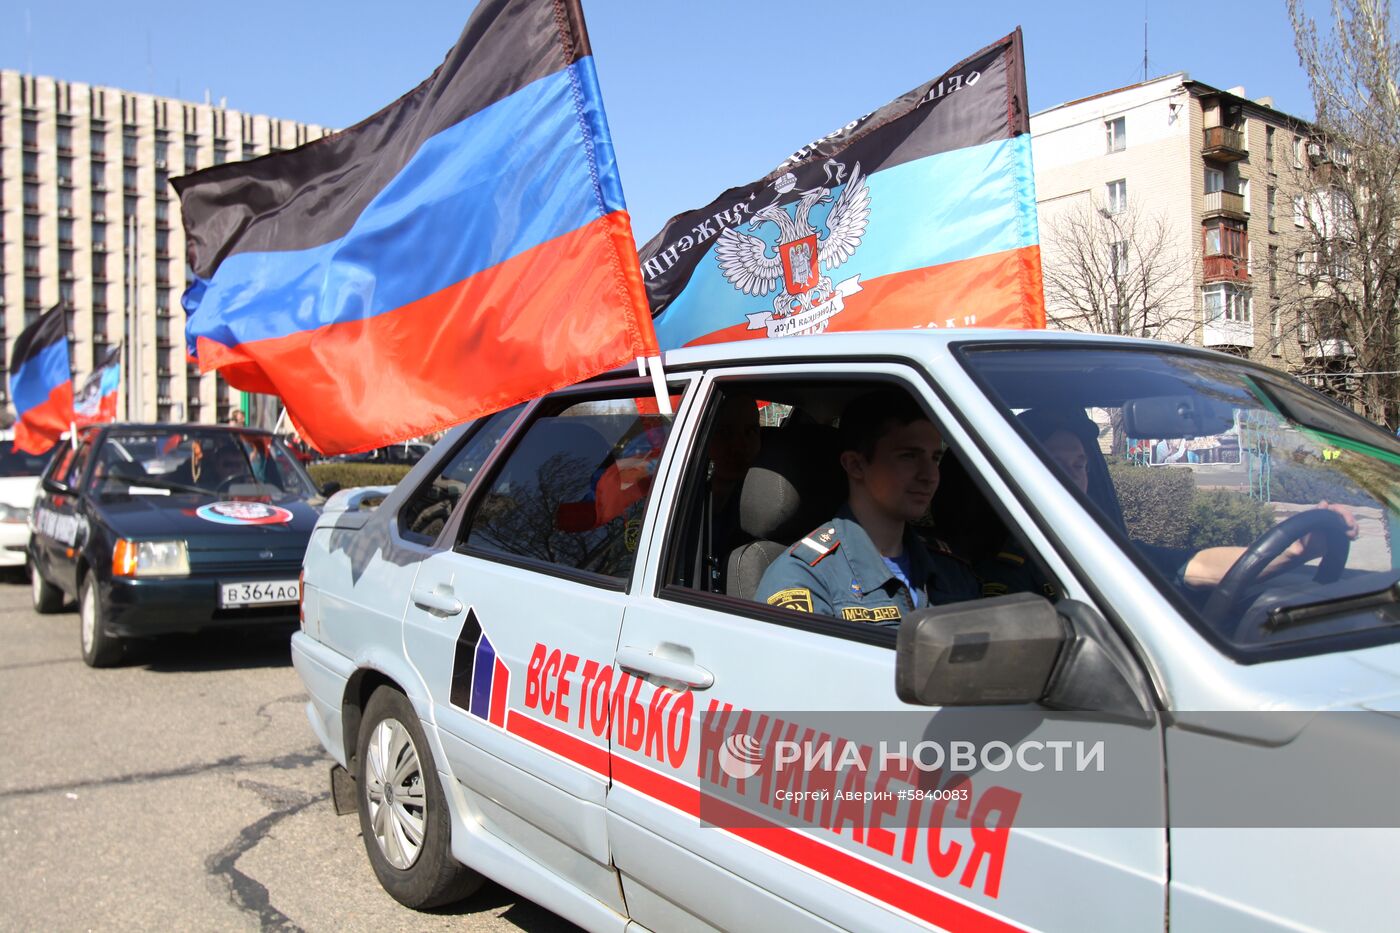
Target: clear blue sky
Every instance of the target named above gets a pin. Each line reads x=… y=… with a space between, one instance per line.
x=701 y=95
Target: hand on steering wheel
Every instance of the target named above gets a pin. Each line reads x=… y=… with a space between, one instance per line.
x=1322 y=523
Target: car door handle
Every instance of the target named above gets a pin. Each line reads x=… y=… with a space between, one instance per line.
x=643 y=663
x=434 y=601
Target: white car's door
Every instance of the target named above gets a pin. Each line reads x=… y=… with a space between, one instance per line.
x=512 y=623
x=706 y=666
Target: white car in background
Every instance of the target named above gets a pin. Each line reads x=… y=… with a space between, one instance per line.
x=19 y=480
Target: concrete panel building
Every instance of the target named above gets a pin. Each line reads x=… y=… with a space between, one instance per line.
x=1211 y=178
x=88 y=220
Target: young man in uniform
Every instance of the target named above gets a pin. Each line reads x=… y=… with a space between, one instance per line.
x=866 y=564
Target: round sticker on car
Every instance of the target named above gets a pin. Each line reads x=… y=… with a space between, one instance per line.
x=244 y=513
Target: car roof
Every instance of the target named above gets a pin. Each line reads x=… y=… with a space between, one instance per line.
x=904 y=343
x=177 y=426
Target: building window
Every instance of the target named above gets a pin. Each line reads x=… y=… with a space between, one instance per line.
x=129 y=145
x=1269 y=148
x=65 y=139
x=1272 y=198
x=1117 y=193
x=1273 y=271
x=31 y=228
x=129 y=207
x=1300 y=151
x=1118 y=259
x=65 y=233
x=30 y=133
x=1229 y=303
x=31 y=197
x=30 y=166
x=1225 y=240
x=31 y=260
x=65 y=199
x=98 y=144
x=1300 y=211
x=1117 y=132
x=162 y=153
x=1215 y=180
x=1244 y=193
x=1306 y=260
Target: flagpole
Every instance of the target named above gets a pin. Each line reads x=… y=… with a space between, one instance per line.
x=658 y=382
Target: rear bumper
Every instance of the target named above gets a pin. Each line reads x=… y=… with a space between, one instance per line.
x=162 y=606
x=325 y=674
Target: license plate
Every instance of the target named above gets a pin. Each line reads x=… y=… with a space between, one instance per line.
x=259 y=593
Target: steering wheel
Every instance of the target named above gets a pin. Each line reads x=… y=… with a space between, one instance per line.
x=1267 y=548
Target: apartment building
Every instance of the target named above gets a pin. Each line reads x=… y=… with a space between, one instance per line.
x=88 y=220
x=1207 y=184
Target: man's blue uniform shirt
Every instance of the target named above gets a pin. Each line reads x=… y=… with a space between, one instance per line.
x=836 y=570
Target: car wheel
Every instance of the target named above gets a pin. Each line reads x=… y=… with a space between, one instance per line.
x=99 y=648
x=403 y=811
x=48 y=598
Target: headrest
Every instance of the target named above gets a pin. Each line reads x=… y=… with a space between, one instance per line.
x=795 y=483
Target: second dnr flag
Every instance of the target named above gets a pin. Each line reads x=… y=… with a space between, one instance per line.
x=41 y=383
x=921 y=214
x=462 y=250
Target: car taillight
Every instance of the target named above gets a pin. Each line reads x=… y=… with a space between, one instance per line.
x=124 y=558
x=301 y=599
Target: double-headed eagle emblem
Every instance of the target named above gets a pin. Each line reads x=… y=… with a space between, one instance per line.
x=802 y=250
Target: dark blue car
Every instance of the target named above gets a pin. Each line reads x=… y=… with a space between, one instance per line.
x=158 y=528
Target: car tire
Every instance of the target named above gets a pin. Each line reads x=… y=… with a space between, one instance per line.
x=420 y=873
x=100 y=649
x=48 y=598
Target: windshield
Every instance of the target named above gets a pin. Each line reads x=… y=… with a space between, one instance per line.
x=1269 y=514
x=18 y=463
x=212 y=464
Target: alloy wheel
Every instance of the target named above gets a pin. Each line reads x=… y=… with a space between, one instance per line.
x=398 y=804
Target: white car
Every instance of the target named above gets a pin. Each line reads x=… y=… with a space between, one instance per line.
x=19 y=481
x=541 y=658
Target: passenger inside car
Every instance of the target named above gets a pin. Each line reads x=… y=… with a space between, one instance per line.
x=866 y=564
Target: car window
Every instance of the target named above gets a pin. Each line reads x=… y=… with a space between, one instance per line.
x=427 y=510
x=766 y=510
x=1191 y=460
x=572 y=491
x=62 y=464
x=190 y=461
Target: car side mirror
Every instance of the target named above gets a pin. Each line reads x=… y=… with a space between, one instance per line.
x=54 y=486
x=330 y=489
x=990 y=651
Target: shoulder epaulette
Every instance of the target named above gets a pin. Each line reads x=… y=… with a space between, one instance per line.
x=939 y=546
x=1011 y=558
x=817 y=544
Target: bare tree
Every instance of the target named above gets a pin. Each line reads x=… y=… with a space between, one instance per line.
x=1349 y=266
x=1117 y=273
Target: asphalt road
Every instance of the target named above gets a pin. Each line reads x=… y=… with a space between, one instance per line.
x=183 y=790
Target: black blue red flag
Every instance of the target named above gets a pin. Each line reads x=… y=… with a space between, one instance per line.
x=920 y=214
x=96 y=401
x=41 y=384
x=464 y=249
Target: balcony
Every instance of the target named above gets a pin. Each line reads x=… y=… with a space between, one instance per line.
x=1223 y=332
x=1224 y=144
x=1223 y=204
